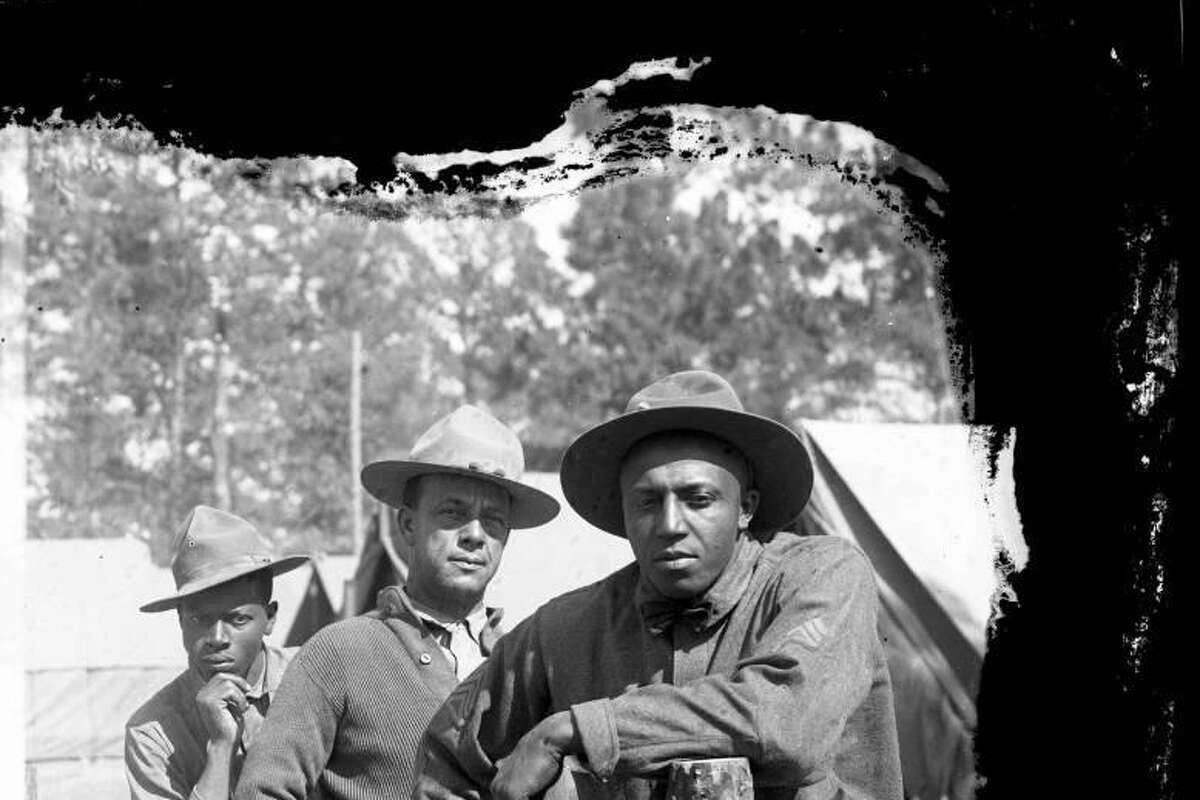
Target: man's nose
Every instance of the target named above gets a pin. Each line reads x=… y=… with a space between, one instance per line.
x=671 y=522
x=472 y=533
x=218 y=634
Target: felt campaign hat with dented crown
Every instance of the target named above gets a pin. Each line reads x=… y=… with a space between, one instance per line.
x=467 y=441
x=213 y=547
x=693 y=400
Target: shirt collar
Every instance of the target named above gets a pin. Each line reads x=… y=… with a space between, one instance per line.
x=272 y=674
x=474 y=622
x=660 y=612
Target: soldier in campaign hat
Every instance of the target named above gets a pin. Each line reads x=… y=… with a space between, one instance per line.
x=359 y=694
x=728 y=636
x=190 y=738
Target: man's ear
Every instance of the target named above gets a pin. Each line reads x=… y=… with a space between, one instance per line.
x=749 y=506
x=272 y=612
x=406 y=523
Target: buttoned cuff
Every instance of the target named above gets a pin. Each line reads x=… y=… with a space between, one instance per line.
x=598 y=732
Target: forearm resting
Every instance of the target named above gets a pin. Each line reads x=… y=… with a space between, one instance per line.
x=215 y=782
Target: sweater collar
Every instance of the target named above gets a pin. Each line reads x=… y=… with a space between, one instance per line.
x=394 y=602
x=474 y=622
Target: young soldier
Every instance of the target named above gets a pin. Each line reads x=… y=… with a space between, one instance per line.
x=189 y=739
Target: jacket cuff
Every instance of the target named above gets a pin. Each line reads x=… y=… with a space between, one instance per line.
x=598 y=732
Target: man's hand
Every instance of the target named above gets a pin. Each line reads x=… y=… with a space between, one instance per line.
x=535 y=762
x=222 y=702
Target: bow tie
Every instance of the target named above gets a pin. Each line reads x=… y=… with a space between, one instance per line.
x=660 y=613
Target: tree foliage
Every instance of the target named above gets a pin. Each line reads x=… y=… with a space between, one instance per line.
x=190 y=326
x=802 y=328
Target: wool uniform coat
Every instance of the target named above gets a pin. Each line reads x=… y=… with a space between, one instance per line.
x=781 y=663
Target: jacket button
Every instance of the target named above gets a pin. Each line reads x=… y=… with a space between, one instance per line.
x=425 y=658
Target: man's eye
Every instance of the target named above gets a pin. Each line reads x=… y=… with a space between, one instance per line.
x=700 y=500
x=241 y=619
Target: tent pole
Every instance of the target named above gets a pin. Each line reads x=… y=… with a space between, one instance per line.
x=356 y=440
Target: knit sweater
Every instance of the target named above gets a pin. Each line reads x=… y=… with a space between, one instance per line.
x=348 y=717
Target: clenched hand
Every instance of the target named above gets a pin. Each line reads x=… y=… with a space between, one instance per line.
x=222 y=702
x=536 y=761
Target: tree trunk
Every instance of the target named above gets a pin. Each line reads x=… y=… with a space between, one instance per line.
x=160 y=543
x=219 y=437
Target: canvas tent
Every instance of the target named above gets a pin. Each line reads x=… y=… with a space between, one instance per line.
x=916 y=498
x=91 y=659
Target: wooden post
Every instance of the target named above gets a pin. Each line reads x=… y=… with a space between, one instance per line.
x=349 y=599
x=356 y=440
x=385 y=521
x=698 y=779
x=710 y=779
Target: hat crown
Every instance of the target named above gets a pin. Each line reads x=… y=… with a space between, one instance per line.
x=688 y=388
x=472 y=439
x=211 y=541
x=471 y=442
x=695 y=400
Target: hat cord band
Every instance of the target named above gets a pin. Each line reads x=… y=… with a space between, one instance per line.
x=255 y=561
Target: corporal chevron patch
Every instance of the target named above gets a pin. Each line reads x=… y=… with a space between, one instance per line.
x=811 y=633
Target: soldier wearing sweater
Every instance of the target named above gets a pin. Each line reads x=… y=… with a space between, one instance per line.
x=349 y=714
x=727 y=637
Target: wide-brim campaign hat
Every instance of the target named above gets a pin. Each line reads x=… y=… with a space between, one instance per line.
x=467 y=441
x=693 y=400
x=213 y=547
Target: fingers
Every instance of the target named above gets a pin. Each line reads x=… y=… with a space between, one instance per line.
x=229 y=690
x=499 y=788
x=513 y=780
x=222 y=703
x=237 y=704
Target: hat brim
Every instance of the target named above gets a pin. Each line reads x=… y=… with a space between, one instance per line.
x=385 y=481
x=782 y=466
x=278 y=567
